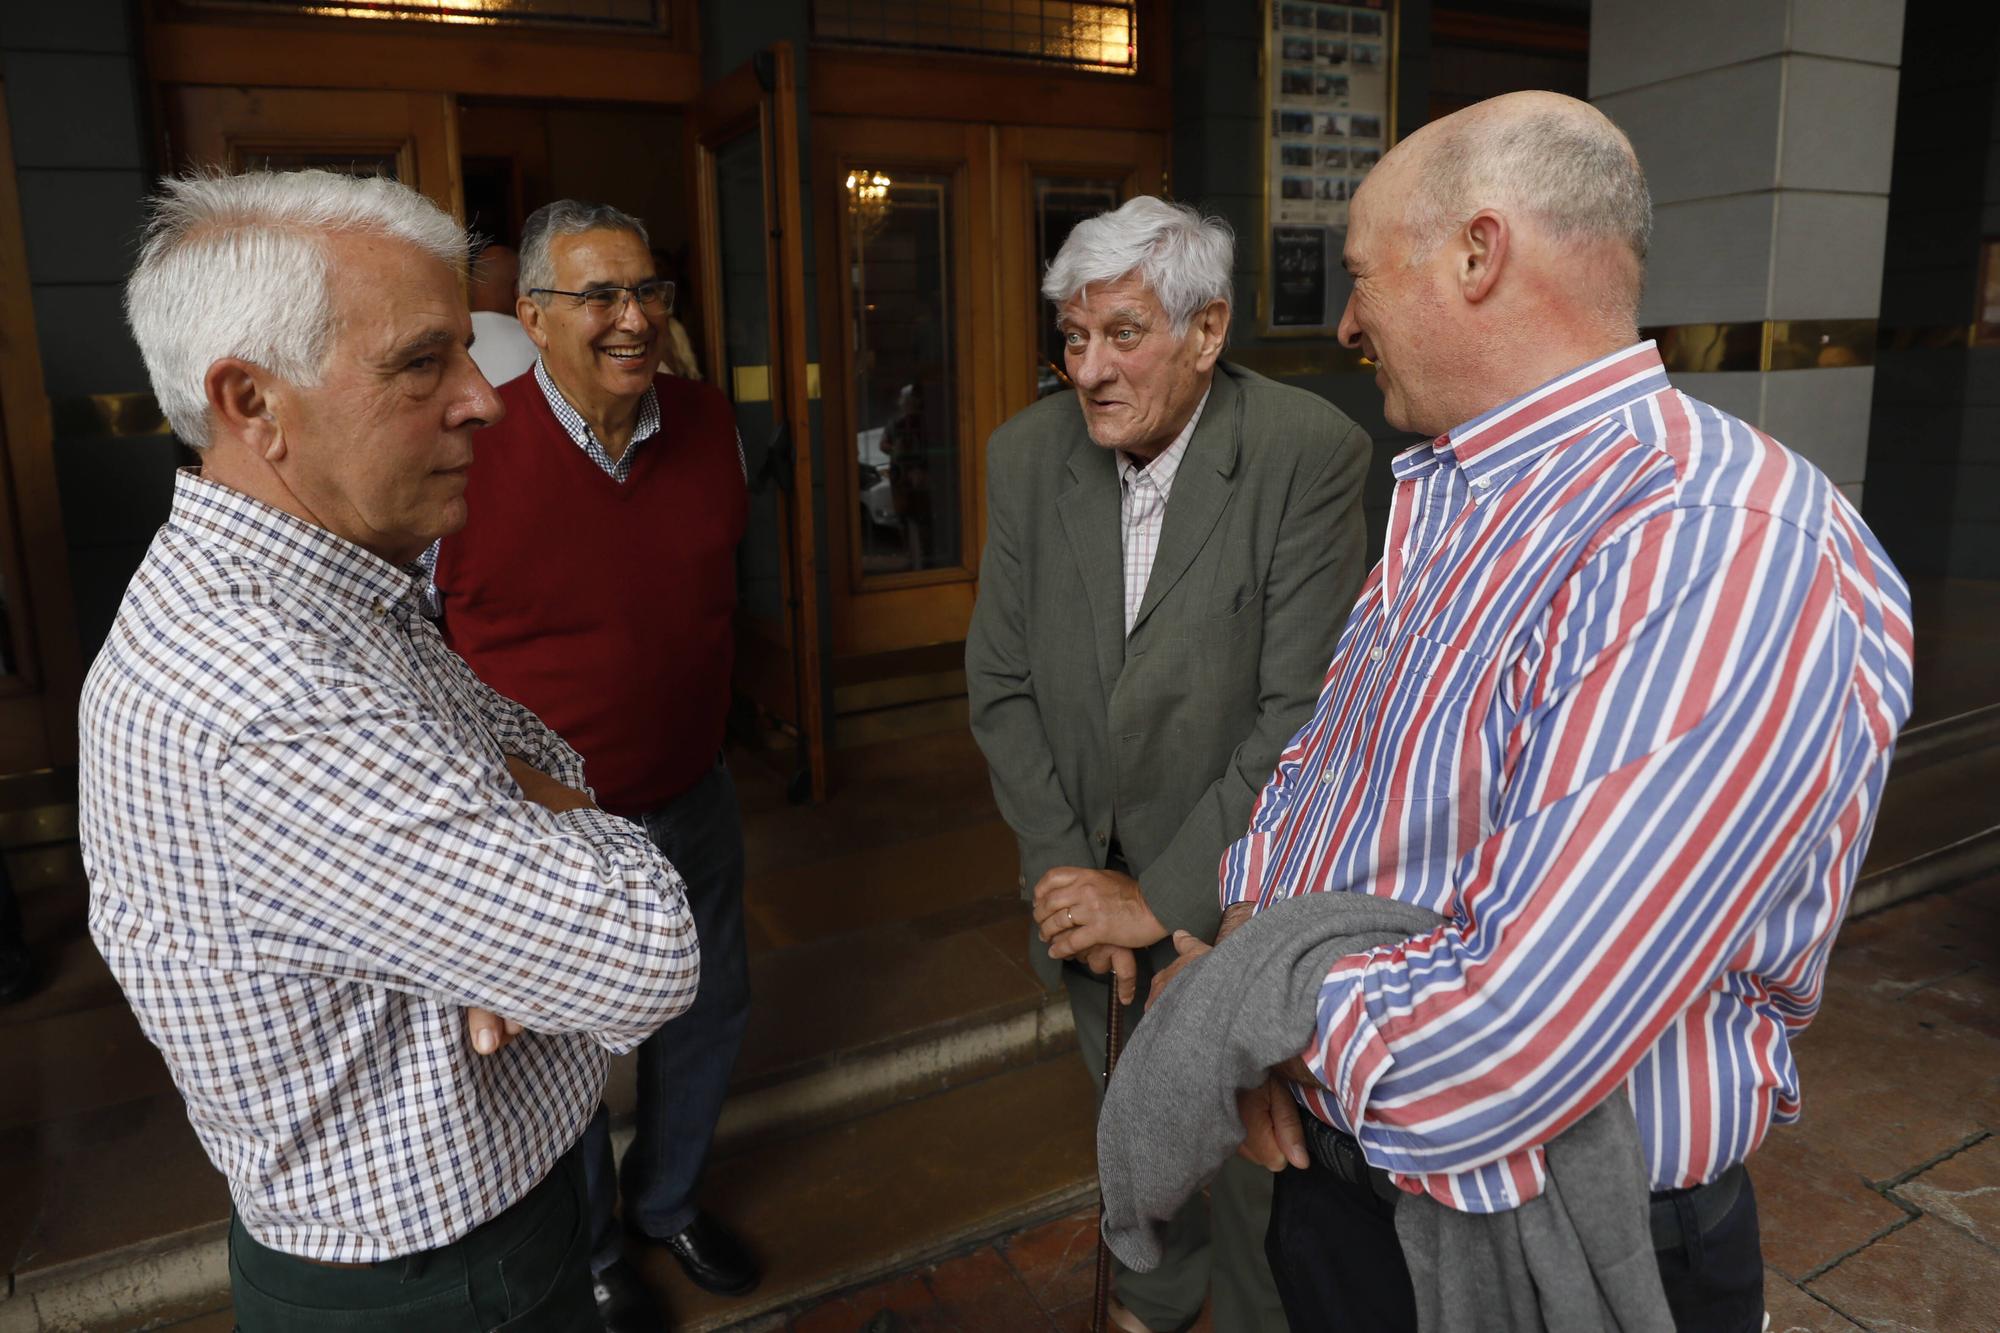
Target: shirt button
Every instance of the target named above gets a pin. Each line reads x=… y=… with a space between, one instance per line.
x=1483 y=483
x=1100 y=839
x=1374 y=654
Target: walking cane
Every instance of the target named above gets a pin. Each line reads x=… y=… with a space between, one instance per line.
x=1114 y=1037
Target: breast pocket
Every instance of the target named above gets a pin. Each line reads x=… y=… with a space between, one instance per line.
x=1429 y=696
x=1242 y=623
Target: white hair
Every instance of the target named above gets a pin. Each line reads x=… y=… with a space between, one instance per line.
x=238 y=266
x=1184 y=258
x=1569 y=170
x=565 y=217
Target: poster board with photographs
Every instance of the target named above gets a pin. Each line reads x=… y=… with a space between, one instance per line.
x=1329 y=93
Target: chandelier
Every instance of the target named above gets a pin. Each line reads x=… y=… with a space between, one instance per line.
x=867 y=202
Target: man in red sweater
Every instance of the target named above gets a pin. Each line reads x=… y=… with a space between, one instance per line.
x=595 y=583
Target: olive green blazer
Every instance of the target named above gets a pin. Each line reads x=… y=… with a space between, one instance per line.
x=1159 y=742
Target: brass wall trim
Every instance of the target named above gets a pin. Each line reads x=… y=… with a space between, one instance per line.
x=118 y=415
x=1928 y=337
x=752 y=384
x=1772 y=344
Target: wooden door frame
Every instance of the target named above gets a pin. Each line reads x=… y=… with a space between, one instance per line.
x=420 y=127
x=38 y=701
x=931 y=606
x=762 y=97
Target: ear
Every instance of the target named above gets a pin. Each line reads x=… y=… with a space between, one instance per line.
x=1484 y=242
x=240 y=404
x=1213 y=324
x=529 y=311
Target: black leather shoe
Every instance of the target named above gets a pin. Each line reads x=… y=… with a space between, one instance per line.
x=713 y=1259
x=624 y=1303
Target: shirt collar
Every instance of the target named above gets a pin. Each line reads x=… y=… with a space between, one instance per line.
x=578 y=430
x=1500 y=441
x=1168 y=461
x=294 y=550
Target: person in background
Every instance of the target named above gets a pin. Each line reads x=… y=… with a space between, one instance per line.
x=595 y=582
x=501 y=348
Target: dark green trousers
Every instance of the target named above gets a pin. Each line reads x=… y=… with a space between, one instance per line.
x=1213 y=1245
x=525 y=1271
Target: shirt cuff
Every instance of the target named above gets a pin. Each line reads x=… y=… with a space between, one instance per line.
x=1348 y=1055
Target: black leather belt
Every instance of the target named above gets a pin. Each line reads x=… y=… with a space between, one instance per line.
x=1331 y=1150
x=1709 y=1203
x=1334 y=1151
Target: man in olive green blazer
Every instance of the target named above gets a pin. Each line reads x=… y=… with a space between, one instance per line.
x=1171 y=552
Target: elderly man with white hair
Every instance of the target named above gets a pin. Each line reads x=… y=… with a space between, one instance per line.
x=1170 y=551
x=362 y=904
x=1617 y=705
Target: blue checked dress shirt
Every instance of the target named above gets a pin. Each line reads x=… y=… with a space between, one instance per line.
x=307 y=857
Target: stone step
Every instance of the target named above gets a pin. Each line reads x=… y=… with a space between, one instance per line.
x=848 y=1203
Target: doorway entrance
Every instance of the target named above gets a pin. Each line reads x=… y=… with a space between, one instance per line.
x=932 y=242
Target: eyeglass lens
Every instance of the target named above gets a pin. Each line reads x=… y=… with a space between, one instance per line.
x=655 y=295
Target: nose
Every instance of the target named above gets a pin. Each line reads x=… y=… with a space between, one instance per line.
x=475 y=404
x=632 y=318
x=1092 y=367
x=1349 y=332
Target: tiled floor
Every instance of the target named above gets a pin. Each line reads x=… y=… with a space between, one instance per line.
x=1880 y=1209
x=1035 y=1280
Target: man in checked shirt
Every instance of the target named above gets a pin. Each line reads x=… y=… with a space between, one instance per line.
x=1618 y=704
x=315 y=840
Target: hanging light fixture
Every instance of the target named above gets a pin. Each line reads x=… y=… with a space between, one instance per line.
x=867 y=202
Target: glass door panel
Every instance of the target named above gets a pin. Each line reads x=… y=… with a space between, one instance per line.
x=751 y=275
x=905 y=373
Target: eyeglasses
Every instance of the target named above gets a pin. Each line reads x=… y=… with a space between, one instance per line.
x=655 y=296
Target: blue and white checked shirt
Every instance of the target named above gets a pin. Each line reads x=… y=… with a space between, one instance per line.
x=644 y=429
x=307 y=857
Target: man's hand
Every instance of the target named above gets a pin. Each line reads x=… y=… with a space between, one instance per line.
x=1189 y=948
x=1078 y=908
x=1121 y=963
x=487 y=1031
x=1272 y=1135
x=544 y=790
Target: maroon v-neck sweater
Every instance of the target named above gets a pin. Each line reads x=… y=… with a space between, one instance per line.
x=602 y=606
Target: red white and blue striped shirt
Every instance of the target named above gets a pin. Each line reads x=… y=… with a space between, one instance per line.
x=1618 y=703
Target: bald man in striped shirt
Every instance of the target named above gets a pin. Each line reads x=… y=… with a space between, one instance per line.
x=1618 y=703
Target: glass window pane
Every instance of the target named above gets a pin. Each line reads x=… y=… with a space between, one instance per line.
x=627 y=15
x=1102 y=37
x=1060 y=203
x=905 y=370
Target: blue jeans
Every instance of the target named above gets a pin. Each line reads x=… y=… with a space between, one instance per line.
x=684 y=1067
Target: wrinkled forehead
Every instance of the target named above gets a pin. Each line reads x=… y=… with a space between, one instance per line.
x=1128 y=299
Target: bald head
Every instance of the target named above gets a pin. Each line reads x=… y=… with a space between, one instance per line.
x=1549 y=162
x=493 y=276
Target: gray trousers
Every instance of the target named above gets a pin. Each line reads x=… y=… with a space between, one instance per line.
x=1215 y=1241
